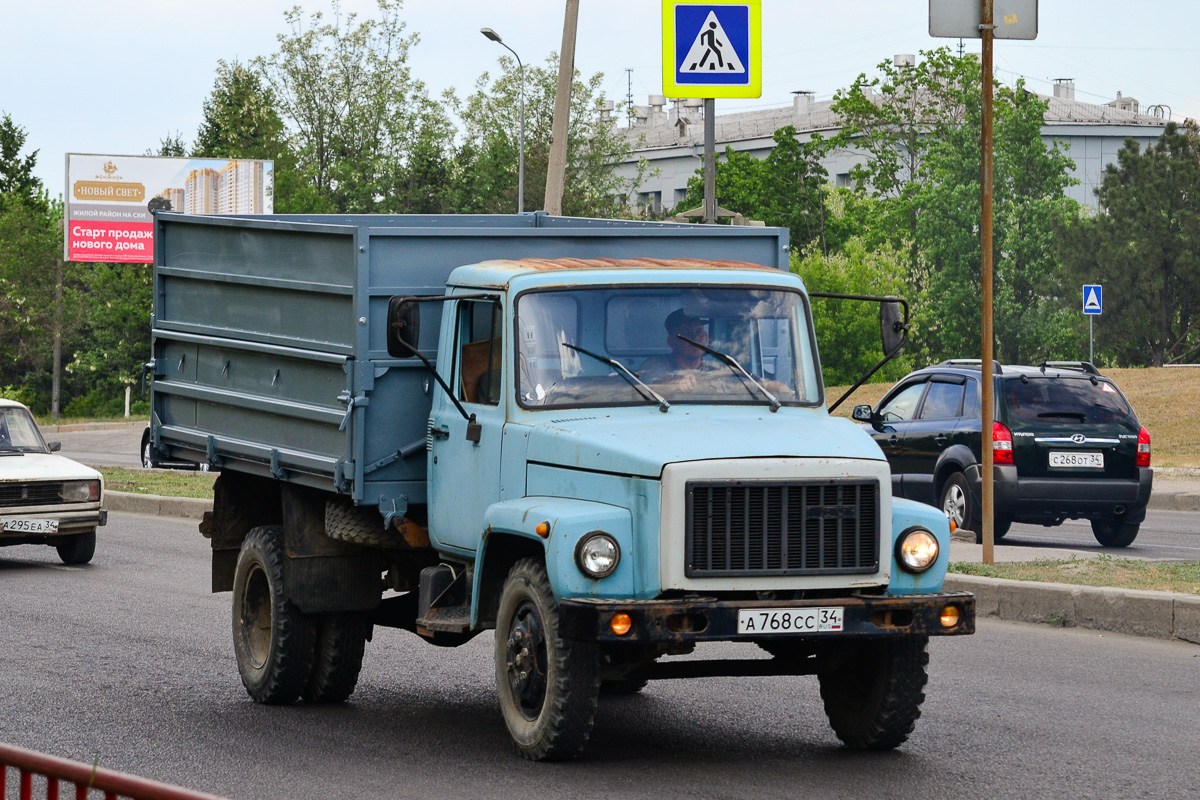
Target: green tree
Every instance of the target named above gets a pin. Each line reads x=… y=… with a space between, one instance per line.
x=1030 y=320
x=347 y=98
x=492 y=117
x=171 y=145
x=1144 y=247
x=786 y=189
x=16 y=171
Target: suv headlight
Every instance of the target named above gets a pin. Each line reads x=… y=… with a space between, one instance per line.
x=81 y=491
x=916 y=550
x=597 y=554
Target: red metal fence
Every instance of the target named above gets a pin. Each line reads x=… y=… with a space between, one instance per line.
x=85 y=779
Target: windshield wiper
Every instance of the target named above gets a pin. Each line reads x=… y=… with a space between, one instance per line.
x=1079 y=415
x=634 y=381
x=732 y=363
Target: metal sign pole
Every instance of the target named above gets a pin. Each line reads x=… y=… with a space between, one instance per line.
x=985 y=230
x=1091 y=340
x=710 y=160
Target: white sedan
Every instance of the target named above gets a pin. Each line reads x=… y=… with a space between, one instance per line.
x=45 y=498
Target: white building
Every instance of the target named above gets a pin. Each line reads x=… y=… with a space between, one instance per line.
x=673 y=142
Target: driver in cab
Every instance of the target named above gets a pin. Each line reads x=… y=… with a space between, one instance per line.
x=678 y=368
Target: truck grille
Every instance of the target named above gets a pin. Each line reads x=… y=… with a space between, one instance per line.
x=741 y=528
x=30 y=494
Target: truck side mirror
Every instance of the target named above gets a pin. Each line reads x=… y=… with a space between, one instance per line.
x=892 y=327
x=861 y=414
x=403 y=326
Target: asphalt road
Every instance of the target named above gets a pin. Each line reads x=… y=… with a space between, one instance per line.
x=129 y=659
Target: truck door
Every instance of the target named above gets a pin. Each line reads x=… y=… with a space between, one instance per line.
x=464 y=476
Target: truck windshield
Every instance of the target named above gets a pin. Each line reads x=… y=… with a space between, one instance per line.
x=19 y=433
x=654 y=333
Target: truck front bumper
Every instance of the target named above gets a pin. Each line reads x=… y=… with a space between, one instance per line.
x=705 y=619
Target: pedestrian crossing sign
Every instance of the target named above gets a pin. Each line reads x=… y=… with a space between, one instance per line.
x=1093 y=298
x=712 y=48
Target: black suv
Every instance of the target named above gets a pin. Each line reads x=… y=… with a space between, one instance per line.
x=1065 y=441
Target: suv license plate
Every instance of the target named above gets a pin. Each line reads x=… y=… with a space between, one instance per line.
x=757 y=621
x=29 y=525
x=1089 y=460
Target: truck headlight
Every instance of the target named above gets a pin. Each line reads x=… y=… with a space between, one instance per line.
x=80 y=491
x=597 y=554
x=916 y=550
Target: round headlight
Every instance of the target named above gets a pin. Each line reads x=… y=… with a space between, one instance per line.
x=916 y=549
x=597 y=554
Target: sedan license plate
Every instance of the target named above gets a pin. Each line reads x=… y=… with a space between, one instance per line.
x=755 y=621
x=1075 y=460
x=29 y=525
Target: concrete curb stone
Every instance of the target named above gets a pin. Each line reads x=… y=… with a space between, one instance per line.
x=157 y=505
x=90 y=426
x=1159 y=615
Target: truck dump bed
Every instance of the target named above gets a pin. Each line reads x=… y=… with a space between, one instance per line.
x=269 y=340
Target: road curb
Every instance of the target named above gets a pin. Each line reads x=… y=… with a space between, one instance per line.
x=1158 y=615
x=156 y=505
x=76 y=427
x=1174 y=501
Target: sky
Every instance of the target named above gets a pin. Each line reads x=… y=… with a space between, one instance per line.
x=117 y=77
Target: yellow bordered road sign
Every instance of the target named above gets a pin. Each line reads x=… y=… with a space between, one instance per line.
x=712 y=48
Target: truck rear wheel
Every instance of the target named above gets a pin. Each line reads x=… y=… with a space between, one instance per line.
x=272 y=641
x=337 y=658
x=873 y=691
x=77 y=549
x=548 y=686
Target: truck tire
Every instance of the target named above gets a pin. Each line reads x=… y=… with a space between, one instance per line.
x=272 y=641
x=358 y=525
x=1115 y=533
x=548 y=686
x=873 y=693
x=337 y=657
x=77 y=549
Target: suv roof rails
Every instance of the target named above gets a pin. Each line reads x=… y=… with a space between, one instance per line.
x=1086 y=367
x=977 y=363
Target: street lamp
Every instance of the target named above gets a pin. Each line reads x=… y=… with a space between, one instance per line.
x=495 y=37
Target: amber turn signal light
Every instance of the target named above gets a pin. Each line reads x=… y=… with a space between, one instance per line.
x=621 y=624
x=949 y=616
x=543 y=529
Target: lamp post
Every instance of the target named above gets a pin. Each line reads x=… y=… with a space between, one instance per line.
x=495 y=37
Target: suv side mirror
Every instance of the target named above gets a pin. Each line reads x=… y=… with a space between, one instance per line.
x=861 y=414
x=403 y=326
x=892 y=328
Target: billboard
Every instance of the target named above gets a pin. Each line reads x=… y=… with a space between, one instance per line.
x=110 y=200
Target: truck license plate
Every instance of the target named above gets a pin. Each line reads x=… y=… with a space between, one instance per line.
x=757 y=621
x=1090 y=460
x=29 y=525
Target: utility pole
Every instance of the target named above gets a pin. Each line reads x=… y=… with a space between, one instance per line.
x=56 y=369
x=556 y=174
x=985 y=236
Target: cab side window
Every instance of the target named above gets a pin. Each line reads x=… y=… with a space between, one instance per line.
x=479 y=329
x=943 y=400
x=903 y=406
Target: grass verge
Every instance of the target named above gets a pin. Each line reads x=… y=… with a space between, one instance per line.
x=166 y=482
x=1182 y=577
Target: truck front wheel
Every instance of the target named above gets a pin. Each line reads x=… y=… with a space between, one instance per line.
x=272 y=641
x=548 y=686
x=873 y=691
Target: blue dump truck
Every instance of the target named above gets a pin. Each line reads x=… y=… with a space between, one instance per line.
x=606 y=441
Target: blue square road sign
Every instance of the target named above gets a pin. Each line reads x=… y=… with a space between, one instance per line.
x=1093 y=298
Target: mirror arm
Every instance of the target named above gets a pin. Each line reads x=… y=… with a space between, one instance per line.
x=445 y=387
x=900 y=327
